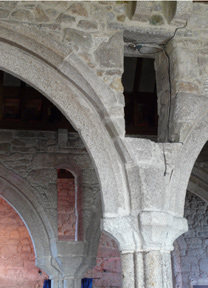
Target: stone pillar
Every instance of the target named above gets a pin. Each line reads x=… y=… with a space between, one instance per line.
x=56 y=283
x=146 y=269
x=128 y=279
x=145 y=247
x=158 y=230
x=71 y=282
x=157 y=269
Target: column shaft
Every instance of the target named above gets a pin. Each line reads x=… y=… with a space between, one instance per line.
x=128 y=277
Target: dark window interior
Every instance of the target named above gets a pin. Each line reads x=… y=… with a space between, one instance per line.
x=140 y=96
x=23 y=107
x=64 y=174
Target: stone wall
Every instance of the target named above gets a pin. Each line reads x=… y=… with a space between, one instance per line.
x=35 y=155
x=17 y=257
x=190 y=262
x=81 y=26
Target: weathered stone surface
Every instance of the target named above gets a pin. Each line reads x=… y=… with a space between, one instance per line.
x=156 y=20
x=79 y=38
x=5 y=136
x=52 y=12
x=108 y=54
x=8 y=4
x=88 y=25
x=121 y=18
x=39 y=176
x=4 y=147
x=65 y=18
x=143 y=11
x=78 y=9
x=40 y=15
x=23 y=15
x=17 y=142
x=4 y=13
x=117 y=85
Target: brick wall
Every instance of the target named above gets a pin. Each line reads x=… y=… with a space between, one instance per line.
x=17 y=258
x=107 y=272
x=66 y=209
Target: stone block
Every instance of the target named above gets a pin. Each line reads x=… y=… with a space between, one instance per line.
x=65 y=18
x=109 y=54
x=203 y=265
x=78 y=9
x=62 y=137
x=5 y=136
x=79 y=38
x=40 y=15
x=4 y=13
x=8 y=4
x=4 y=148
x=88 y=25
x=52 y=13
x=193 y=242
x=23 y=15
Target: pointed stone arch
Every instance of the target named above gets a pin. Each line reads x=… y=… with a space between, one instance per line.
x=186 y=158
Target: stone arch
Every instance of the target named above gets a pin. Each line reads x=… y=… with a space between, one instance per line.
x=80 y=96
x=17 y=192
x=198 y=183
x=187 y=156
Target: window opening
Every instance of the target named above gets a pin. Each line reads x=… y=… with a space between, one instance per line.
x=69 y=207
x=23 y=107
x=139 y=83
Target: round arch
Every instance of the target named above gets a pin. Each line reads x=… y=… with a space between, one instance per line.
x=74 y=89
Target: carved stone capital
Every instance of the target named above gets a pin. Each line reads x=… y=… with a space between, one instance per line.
x=160 y=229
x=125 y=230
